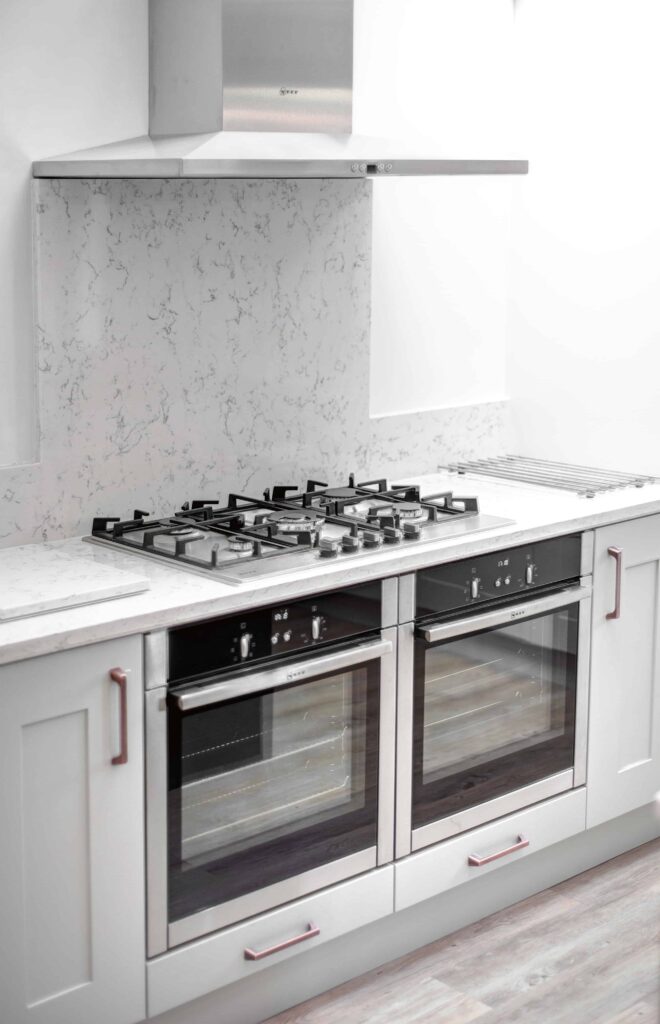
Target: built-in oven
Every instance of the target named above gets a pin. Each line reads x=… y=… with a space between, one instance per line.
x=493 y=686
x=270 y=769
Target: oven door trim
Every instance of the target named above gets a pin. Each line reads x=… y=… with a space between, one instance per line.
x=283 y=675
x=501 y=616
x=408 y=839
x=488 y=811
x=162 y=934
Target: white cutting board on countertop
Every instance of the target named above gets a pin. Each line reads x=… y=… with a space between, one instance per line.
x=36 y=578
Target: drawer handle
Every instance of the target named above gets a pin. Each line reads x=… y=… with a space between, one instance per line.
x=617 y=555
x=311 y=933
x=475 y=861
x=118 y=676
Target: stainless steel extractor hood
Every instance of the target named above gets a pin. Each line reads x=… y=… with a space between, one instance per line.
x=254 y=89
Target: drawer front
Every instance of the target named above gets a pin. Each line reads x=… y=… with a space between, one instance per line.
x=441 y=867
x=219 y=959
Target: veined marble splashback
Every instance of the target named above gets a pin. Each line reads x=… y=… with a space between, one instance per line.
x=199 y=336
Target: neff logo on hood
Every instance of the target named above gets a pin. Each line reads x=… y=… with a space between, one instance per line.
x=288 y=92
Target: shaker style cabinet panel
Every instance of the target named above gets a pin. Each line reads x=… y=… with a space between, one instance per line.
x=624 y=714
x=71 y=837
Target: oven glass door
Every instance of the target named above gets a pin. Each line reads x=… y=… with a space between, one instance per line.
x=493 y=711
x=266 y=787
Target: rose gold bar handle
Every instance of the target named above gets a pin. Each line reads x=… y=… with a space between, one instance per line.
x=475 y=861
x=311 y=933
x=617 y=555
x=118 y=676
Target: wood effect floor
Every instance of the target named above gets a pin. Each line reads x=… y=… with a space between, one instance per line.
x=584 y=952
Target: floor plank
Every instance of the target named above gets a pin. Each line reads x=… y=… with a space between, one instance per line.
x=586 y=951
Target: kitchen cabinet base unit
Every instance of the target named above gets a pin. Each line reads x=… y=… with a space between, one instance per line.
x=241 y=952
x=623 y=770
x=72 y=838
x=488 y=848
x=299 y=978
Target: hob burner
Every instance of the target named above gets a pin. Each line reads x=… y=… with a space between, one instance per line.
x=295 y=521
x=188 y=532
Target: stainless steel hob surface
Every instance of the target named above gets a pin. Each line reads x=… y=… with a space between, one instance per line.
x=288 y=529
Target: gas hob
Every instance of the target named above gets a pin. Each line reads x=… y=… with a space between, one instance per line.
x=290 y=529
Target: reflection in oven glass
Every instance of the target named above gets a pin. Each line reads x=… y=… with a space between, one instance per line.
x=492 y=694
x=292 y=756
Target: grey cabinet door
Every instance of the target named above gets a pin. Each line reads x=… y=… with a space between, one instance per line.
x=624 y=716
x=71 y=838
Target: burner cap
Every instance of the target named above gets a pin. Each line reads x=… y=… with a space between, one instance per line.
x=409 y=510
x=341 y=493
x=242 y=545
x=186 y=531
x=295 y=520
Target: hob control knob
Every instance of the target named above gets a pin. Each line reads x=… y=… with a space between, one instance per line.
x=316 y=627
x=391 y=534
x=328 y=547
x=412 y=531
x=244 y=644
x=350 y=543
x=372 y=539
x=529 y=573
x=474 y=587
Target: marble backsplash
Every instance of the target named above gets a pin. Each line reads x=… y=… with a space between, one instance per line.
x=199 y=336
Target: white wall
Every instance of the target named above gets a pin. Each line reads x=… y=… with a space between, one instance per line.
x=438 y=70
x=73 y=73
x=584 y=329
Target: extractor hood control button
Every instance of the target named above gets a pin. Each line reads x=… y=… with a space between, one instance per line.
x=474 y=587
x=316 y=627
x=529 y=573
x=328 y=547
x=244 y=644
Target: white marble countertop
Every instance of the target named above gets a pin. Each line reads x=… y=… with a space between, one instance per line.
x=177 y=596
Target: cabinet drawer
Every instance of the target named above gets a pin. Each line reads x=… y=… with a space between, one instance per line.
x=215 y=961
x=441 y=867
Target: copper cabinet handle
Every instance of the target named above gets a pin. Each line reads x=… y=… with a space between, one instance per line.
x=617 y=555
x=311 y=933
x=118 y=676
x=475 y=861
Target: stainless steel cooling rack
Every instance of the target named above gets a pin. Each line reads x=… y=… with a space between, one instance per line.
x=585 y=481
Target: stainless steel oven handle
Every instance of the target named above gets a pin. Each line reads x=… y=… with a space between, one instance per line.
x=504 y=616
x=283 y=675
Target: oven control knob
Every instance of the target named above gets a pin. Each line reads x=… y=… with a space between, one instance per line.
x=529 y=573
x=316 y=627
x=474 y=587
x=498 y=582
x=350 y=543
x=287 y=636
x=328 y=547
x=275 y=639
x=412 y=531
x=244 y=644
